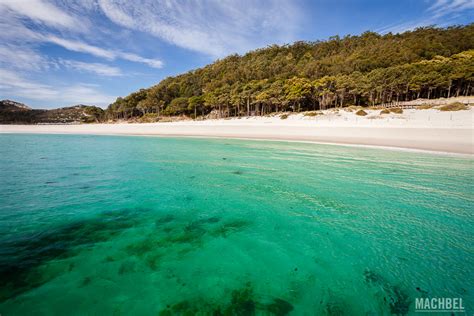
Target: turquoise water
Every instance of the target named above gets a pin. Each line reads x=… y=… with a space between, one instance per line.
x=166 y=226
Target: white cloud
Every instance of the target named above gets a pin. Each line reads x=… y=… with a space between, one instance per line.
x=439 y=12
x=17 y=86
x=40 y=11
x=14 y=84
x=406 y=26
x=97 y=68
x=444 y=7
x=155 y=63
x=214 y=27
x=22 y=58
x=78 y=46
x=16 y=32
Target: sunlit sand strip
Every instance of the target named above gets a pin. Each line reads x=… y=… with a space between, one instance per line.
x=427 y=130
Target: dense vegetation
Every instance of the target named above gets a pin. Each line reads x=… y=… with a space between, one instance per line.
x=17 y=113
x=362 y=70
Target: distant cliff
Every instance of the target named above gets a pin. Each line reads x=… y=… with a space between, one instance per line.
x=12 y=112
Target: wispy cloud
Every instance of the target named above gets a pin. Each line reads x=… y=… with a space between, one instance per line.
x=14 y=84
x=14 y=30
x=96 y=68
x=21 y=57
x=437 y=12
x=29 y=28
x=155 y=63
x=444 y=7
x=78 y=46
x=41 y=11
x=212 y=27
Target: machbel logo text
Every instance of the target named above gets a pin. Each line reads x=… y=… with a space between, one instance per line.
x=439 y=304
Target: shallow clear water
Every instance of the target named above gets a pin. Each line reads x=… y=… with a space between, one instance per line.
x=142 y=225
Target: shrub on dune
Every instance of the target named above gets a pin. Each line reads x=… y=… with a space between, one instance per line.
x=396 y=110
x=425 y=107
x=313 y=113
x=385 y=111
x=149 y=118
x=352 y=108
x=361 y=113
x=455 y=106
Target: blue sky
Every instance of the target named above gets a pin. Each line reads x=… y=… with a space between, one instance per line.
x=57 y=53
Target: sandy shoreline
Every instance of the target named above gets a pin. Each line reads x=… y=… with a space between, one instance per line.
x=430 y=130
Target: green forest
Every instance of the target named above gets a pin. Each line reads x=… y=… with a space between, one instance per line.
x=366 y=70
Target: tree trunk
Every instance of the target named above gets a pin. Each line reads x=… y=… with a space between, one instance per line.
x=248 y=106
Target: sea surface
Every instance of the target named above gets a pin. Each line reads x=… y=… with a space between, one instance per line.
x=109 y=225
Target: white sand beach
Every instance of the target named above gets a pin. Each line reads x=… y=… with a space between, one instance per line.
x=430 y=129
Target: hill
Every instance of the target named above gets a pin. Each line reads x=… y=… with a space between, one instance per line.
x=363 y=70
x=12 y=112
x=12 y=106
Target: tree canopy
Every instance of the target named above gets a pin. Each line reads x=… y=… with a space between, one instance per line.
x=363 y=70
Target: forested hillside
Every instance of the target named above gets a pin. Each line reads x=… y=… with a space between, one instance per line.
x=17 y=113
x=361 y=70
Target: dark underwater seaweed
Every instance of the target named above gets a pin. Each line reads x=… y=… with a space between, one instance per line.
x=334 y=309
x=209 y=220
x=22 y=257
x=279 y=307
x=127 y=267
x=187 y=236
x=242 y=302
x=229 y=227
x=398 y=301
x=164 y=220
